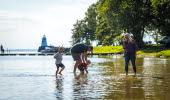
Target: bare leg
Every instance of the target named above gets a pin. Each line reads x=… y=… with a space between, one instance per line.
x=57 y=71
x=82 y=72
x=76 y=64
x=61 y=70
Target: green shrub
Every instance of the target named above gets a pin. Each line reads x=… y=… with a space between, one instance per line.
x=166 y=53
x=151 y=50
x=108 y=49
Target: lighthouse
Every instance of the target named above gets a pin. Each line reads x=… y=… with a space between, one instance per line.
x=43 y=44
x=44 y=41
x=44 y=48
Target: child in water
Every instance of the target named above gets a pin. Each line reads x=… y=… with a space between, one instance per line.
x=58 y=62
x=83 y=66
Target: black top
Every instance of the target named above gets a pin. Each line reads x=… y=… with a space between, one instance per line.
x=79 y=48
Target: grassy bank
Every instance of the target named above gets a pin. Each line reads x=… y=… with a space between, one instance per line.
x=155 y=50
x=148 y=50
x=108 y=49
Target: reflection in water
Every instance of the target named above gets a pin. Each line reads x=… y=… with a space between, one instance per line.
x=59 y=88
x=106 y=79
x=80 y=86
x=155 y=88
x=133 y=88
x=81 y=79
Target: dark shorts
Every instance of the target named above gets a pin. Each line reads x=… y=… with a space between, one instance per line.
x=59 y=65
x=76 y=56
x=81 y=68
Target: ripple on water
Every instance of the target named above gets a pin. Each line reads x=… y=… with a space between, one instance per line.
x=29 y=78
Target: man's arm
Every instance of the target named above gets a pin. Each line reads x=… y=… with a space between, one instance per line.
x=86 y=70
x=84 y=56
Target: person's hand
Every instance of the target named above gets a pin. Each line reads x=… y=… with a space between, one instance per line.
x=135 y=54
x=84 y=61
x=86 y=71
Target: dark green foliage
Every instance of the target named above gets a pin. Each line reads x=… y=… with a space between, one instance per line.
x=108 y=20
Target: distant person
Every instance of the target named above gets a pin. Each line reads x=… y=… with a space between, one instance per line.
x=58 y=62
x=2 y=49
x=130 y=47
x=79 y=54
x=83 y=66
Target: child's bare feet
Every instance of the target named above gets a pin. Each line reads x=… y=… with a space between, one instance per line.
x=60 y=73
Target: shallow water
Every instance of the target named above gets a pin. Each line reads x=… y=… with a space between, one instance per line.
x=33 y=78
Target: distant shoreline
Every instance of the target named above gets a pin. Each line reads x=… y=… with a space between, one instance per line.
x=92 y=54
x=46 y=54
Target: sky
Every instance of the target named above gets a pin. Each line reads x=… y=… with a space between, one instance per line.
x=24 y=22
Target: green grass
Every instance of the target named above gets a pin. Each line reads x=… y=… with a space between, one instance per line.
x=152 y=50
x=108 y=49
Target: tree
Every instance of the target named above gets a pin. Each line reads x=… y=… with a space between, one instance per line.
x=107 y=20
x=161 y=21
x=78 y=32
x=91 y=23
x=103 y=33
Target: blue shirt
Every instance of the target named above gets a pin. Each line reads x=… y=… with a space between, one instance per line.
x=79 y=48
x=130 y=47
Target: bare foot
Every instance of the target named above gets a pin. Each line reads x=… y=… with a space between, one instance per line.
x=60 y=73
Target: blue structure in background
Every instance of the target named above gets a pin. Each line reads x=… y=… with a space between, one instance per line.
x=44 y=48
x=44 y=41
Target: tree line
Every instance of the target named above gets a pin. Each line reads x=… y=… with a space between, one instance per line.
x=107 y=20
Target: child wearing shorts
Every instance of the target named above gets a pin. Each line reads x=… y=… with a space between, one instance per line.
x=83 y=66
x=58 y=62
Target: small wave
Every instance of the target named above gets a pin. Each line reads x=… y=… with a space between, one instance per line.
x=26 y=75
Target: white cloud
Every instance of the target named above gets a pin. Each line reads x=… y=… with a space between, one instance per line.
x=25 y=28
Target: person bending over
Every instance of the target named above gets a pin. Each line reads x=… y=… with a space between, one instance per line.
x=79 y=54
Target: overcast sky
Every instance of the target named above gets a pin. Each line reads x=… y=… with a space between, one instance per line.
x=24 y=22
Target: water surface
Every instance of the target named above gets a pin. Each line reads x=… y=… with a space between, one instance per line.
x=33 y=78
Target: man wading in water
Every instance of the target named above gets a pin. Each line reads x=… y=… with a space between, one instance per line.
x=79 y=54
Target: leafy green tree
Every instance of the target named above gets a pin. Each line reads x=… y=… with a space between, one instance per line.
x=78 y=32
x=106 y=20
x=91 y=23
x=103 y=35
x=161 y=19
x=104 y=32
